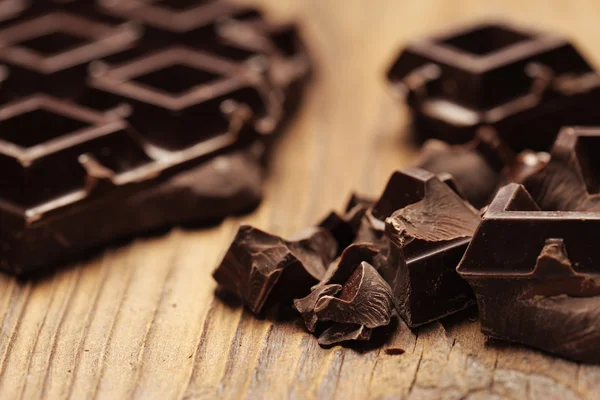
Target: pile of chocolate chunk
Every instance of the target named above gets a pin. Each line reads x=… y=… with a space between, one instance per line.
x=501 y=210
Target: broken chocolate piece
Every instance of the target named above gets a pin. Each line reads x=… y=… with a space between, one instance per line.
x=345 y=227
x=306 y=305
x=338 y=333
x=570 y=180
x=366 y=299
x=358 y=200
x=259 y=266
x=475 y=166
x=399 y=338
x=427 y=237
x=524 y=84
x=526 y=164
x=545 y=289
x=134 y=105
x=340 y=270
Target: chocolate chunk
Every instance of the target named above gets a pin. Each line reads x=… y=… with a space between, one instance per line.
x=524 y=84
x=114 y=111
x=341 y=270
x=399 y=338
x=345 y=228
x=475 y=166
x=259 y=266
x=535 y=275
x=358 y=200
x=569 y=181
x=365 y=299
x=306 y=305
x=338 y=333
x=525 y=165
x=427 y=237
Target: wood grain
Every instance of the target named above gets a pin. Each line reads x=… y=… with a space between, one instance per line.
x=140 y=321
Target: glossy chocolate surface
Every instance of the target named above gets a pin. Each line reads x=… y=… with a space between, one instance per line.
x=536 y=277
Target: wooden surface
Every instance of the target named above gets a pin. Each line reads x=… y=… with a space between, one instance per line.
x=141 y=321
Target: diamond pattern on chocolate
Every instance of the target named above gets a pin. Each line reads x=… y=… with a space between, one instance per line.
x=140 y=104
x=168 y=108
x=43 y=140
x=59 y=40
x=495 y=74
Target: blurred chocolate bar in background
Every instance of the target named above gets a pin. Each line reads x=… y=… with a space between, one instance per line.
x=118 y=117
x=524 y=84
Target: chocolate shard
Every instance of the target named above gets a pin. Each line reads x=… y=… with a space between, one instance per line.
x=545 y=290
x=427 y=238
x=342 y=269
x=339 y=332
x=345 y=228
x=475 y=166
x=315 y=248
x=306 y=305
x=366 y=299
x=440 y=216
x=259 y=266
x=524 y=84
x=570 y=180
x=526 y=164
x=399 y=338
x=359 y=200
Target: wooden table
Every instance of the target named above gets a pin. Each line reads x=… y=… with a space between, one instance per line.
x=141 y=320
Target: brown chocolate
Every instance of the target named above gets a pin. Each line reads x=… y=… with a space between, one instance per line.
x=535 y=275
x=345 y=228
x=341 y=269
x=306 y=305
x=259 y=267
x=365 y=299
x=524 y=84
x=526 y=164
x=101 y=113
x=570 y=180
x=427 y=237
x=475 y=166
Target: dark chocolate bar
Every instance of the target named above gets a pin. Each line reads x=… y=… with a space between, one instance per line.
x=524 y=84
x=113 y=127
x=536 y=277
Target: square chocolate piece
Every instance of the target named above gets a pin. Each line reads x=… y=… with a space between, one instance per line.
x=181 y=96
x=525 y=84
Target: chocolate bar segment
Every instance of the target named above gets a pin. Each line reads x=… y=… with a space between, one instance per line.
x=535 y=275
x=499 y=75
x=112 y=114
x=76 y=179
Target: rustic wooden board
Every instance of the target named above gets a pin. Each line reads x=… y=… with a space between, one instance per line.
x=141 y=320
